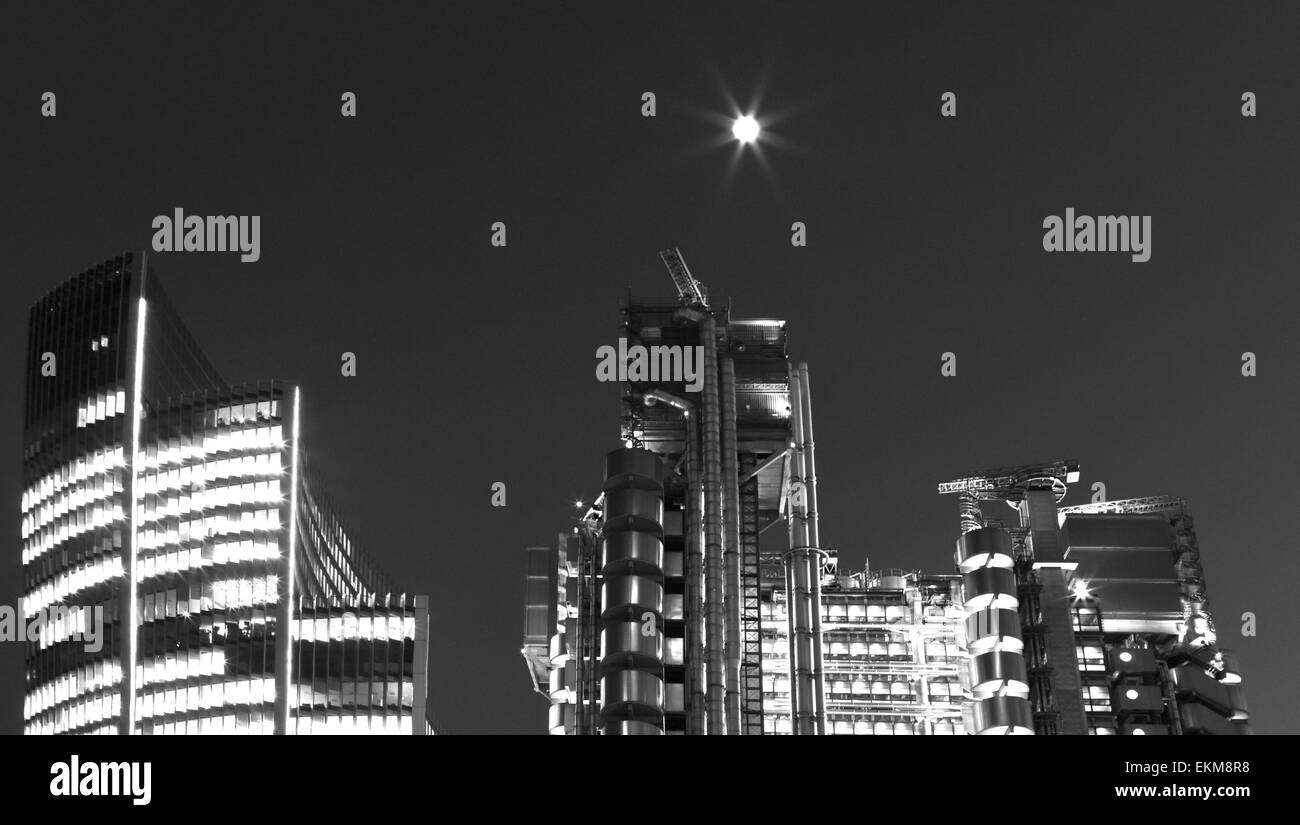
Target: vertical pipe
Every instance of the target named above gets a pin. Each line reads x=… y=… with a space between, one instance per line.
x=804 y=700
x=809 y=459
x=790 y=658
x=815 y=608
x=797 y=503
x=793 y=480
x=814 y=541
x=713 y=625
x=694 y=686
x=805 y=711
x=731 y=547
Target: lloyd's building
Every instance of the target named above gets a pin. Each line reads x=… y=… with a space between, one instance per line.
x=233 y=601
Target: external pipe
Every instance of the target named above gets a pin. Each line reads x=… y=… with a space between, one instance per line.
x=803 y=706
x=815 y=608
x=731 y=547
x=797 y=511
x=789 y=479
x=791 y=659
x=809 y=456
x=694 y=597
x=713 y=616
x=805 y=711
x=814 y=541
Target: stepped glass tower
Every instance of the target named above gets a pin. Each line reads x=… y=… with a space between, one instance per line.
x=180 y=510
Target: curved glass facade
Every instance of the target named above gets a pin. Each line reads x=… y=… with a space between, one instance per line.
x=192 y=532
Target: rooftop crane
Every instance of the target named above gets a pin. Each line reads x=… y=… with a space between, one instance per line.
x=690 y=291
x=1147 y=504
x=1008 y=484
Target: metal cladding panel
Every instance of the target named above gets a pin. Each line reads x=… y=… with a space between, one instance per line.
x=1200 y=719
x=539 y=622
x=1130 y=598
x=997 y=670
x=542 y=562
x=557 y=680
x=993 y=624
x=560 y=717
x=631 y=509
x=987 y=547
x=631 y=728
x=1123 y=562
x=559 y=647
x=1192 y=682
x=675 y=697
x=633 y=468
x=632 y=594
x=630 y=550
x=624 y=638
x=984 y=582
x=1131 y=661
x=1002 y=715
x=632 y=687
x=1164 y=623
x=1137 y=699
x=1089 y=531
x=673 y=563
x=1237 y=696
x=1039 y=507
x=673 y=523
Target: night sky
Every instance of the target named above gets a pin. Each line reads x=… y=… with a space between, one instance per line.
x=476 y=364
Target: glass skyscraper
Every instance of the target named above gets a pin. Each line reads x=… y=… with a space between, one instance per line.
x=195 y=529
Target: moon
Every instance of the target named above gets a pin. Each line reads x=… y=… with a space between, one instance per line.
x=745 y=129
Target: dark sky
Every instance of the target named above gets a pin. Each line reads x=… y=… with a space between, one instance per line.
x=476 y=364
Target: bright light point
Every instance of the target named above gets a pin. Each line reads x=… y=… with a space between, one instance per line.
x=577 y=504
x=1080 y=589
x=745 y=129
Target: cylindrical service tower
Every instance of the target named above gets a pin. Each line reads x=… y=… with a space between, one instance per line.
x=631 y=619
x=998 y=679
